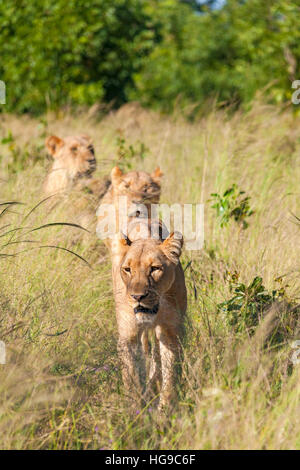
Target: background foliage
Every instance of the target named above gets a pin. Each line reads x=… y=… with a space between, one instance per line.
x=155 y=51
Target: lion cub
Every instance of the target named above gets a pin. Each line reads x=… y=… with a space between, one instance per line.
x=150 y=294
x=74 y=163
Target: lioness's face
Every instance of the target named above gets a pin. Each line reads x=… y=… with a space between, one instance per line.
x=137 y=186
x=74 y=154
x=148 y=271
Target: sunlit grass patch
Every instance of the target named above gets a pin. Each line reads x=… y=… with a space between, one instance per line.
x=61 y=387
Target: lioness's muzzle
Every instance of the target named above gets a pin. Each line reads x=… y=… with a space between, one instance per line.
x=150 y=311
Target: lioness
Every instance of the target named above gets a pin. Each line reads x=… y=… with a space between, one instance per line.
x=138 y=187
x=150 y=294
x=70 y=178
x=73 y=165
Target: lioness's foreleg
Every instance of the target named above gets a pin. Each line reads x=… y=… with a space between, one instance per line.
x=155 y=365
x=153 y=372
x=168 y=352
x=128 y=352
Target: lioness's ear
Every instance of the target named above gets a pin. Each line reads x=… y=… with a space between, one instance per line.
x=157 y=175
x=125 y=240
x=120 y=245
x=172 y=246
x=53 y=143
x=116 y=175
x=86 y=137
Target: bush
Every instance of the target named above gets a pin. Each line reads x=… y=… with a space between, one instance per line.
x=252 y=304
x=230 y=53
x=156 y=51
x=232 y=205
x=78 y=52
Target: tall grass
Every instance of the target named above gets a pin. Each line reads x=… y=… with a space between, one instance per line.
x=61 y=387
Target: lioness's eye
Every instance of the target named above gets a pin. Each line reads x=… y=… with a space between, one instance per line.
x=74 y=149
x=127 y=270
x=155 y=268
x=91 y=149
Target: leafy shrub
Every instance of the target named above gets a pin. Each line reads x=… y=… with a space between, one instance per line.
x=232 y=204
x=244 y=309
x=250 y=304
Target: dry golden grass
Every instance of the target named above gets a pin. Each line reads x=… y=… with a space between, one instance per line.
x=61 y=386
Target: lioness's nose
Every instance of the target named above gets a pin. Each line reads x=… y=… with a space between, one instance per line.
x=139 y=297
